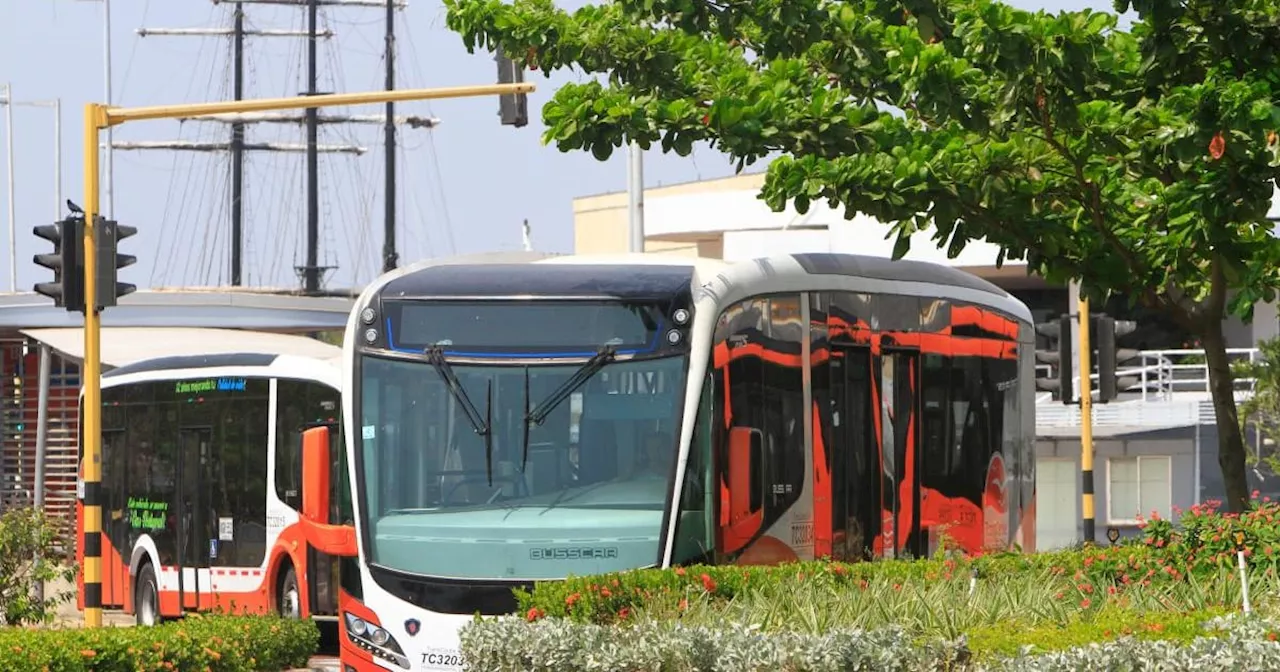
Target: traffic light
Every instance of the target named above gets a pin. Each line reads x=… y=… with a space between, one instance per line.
x=108 y=235
x=513 y=109
x=1058 y=357
x=1109 y=356
x=66 y=262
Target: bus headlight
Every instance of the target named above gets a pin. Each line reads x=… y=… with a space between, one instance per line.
x=374 y=639
x=357 y=626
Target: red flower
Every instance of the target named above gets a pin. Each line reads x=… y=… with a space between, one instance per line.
x=1217 y=146
x=623 y=613
x=708 y=583
x=534 y=614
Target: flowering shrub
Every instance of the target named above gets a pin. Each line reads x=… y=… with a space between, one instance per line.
x=211 y=643
x=614 y=597
x=1205 y=539
x=1199 y=552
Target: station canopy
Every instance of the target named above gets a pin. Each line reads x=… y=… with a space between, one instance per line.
x=217 y=307
x=126 y=345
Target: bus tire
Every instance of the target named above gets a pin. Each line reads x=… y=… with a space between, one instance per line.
x=288 y=597
x=146 y=597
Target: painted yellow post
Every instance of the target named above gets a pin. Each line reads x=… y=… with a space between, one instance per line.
x=1086 y=424
x=90 y=374
x=96 y=118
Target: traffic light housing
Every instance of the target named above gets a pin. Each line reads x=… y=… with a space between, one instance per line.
x=513 y=109
x=108 y=235
x=1058 y=356
x=66 y=261
x=1110 y=356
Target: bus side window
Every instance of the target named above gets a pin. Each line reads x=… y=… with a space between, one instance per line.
x=291 y=405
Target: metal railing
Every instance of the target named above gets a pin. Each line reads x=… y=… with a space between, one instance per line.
x=1164 y=374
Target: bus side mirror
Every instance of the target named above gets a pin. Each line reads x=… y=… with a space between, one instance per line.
x=315 y=475
x=337 y=540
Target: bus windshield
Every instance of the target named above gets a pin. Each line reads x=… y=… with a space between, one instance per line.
x=583 y=492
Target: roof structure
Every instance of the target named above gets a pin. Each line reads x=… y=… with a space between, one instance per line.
x=121 y=346
x=218 y=307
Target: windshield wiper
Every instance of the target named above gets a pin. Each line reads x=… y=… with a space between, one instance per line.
x=579 y=377
x=482 y=426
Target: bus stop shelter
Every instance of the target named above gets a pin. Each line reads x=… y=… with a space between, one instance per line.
x=42 y=348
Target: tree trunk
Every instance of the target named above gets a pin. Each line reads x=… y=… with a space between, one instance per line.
x=1230 y=438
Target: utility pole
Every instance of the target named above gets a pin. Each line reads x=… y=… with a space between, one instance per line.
x=56 y=105
x=110 y=208
x=13 y=218
x=635 y=195
x=389 y=257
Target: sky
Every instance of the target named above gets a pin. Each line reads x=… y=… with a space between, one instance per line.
x=463 y=187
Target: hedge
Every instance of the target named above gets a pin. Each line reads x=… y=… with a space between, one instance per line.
x=511 y=644
x=1203 y=545
x=197 y=642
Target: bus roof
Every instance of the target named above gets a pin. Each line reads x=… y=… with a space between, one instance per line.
x=127 y=348
x=513 y=274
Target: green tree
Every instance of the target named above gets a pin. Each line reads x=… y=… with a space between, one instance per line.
x=1262 y=408
x=1140 y=162
x=28 y=558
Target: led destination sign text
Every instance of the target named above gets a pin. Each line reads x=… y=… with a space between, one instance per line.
x=209 y=385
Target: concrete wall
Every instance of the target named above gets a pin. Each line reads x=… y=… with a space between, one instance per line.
x=1177 y=444
x=600 y=222
x=1180 y=446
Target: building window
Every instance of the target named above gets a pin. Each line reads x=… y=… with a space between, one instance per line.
x=1138 y=486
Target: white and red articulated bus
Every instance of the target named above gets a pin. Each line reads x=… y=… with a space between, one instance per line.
x=521 y=417
x=202 y=485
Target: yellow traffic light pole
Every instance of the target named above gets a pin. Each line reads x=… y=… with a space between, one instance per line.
x=1086 y=425
x=98 y=118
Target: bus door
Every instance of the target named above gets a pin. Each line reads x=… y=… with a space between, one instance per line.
x=855 y=491
x=897 y=403
x=197 y=542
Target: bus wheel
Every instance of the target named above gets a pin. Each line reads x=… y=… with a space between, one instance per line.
x=289 y=601
x=146 y=597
